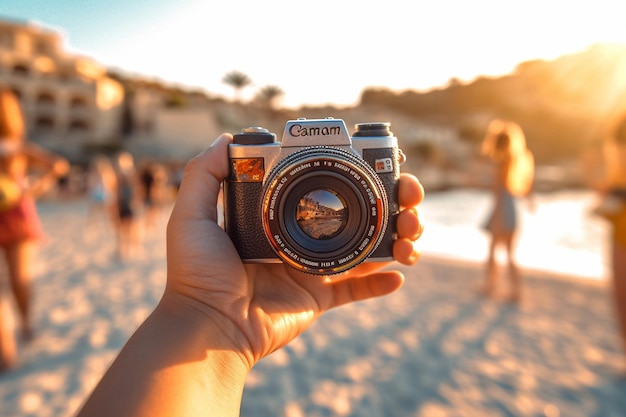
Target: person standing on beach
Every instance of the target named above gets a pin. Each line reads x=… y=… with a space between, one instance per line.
x=513 y=172
x=613 y=192
x=153 y=179
x=127 y=201
x=101 y=191
x=19 y=221
x=218 y=316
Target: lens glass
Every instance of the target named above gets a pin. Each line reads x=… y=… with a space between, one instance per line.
x=321 y=214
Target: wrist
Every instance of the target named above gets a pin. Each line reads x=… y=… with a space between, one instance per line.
x=174 y=364
x=203 y=348
x=206 y=332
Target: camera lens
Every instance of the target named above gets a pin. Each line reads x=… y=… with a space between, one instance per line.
x=321 y=214
x=323 y=210
x=321 y=222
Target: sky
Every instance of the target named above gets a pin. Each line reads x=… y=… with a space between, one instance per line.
x=326 y=51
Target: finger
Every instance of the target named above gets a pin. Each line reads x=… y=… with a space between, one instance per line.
x=199 y=190
x=410 y=191
x=409 y=225
x=369 y=286
x=405 y=252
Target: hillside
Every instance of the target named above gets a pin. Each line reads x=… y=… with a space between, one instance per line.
x=563 y=105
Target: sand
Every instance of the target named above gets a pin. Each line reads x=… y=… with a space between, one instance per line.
x=432 y=349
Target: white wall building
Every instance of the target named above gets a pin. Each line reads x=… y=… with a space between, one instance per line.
x=69 y=101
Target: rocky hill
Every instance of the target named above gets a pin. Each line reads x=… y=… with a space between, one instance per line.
x=563 y=105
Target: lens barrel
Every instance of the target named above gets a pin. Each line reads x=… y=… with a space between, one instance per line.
x=323 y=210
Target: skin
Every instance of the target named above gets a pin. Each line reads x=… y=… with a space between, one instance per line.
x=218 y=317
x=502 y=239
x=504 y=158
x=18 y=255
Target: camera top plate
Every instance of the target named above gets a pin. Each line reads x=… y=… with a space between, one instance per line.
x=325 y=132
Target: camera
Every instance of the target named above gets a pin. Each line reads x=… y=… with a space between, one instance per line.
x=319 y=200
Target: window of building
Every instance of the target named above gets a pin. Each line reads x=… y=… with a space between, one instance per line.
x=78 y=102
x=43 y=47
x=6 y=39
x=21 y=69
x=65 y=75
x=45 y=98
x=78 y=125
x=44 y=123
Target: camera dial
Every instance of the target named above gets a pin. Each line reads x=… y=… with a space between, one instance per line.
x=254 y=136
x=372 y=129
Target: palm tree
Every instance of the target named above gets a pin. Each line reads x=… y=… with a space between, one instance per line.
x=268 y=96
x=238 y=80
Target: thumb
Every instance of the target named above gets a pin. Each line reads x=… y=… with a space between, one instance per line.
x=200 y=187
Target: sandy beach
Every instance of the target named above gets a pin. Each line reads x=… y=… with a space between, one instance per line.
x=433 y=349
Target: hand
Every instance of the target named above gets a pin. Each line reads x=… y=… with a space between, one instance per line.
x=259 y=308
x=217 y=316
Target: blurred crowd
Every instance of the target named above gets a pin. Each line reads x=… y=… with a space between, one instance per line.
x=122 y=193
x=124 y=196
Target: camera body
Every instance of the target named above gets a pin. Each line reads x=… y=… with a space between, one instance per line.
x=319 y=200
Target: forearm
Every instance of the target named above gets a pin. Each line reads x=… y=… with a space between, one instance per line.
x=171 y=367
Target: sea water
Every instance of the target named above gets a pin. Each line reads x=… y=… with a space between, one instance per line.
x=557 y=233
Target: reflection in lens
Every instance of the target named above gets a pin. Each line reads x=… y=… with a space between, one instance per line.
x=321 y=214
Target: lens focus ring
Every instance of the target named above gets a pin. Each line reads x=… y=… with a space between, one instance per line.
x=323 y=210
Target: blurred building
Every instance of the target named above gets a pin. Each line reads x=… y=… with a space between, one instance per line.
x=70 y=103
x=167 y=123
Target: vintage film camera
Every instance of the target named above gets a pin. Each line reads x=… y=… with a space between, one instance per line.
x=320 y=200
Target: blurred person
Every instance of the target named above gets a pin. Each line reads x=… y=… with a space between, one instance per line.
x=101 y=189
x=513 y=172
x=127 y=203
x=26 y=172
x=153 y=178
x=612 y=189
x=218 y=317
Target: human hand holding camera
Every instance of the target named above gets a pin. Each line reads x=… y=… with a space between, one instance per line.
x=261 y=299
x=219 y=316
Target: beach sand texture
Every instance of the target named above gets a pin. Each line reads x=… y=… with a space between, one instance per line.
x=432 y=349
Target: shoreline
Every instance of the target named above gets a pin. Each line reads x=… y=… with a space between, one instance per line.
x=525 y=271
